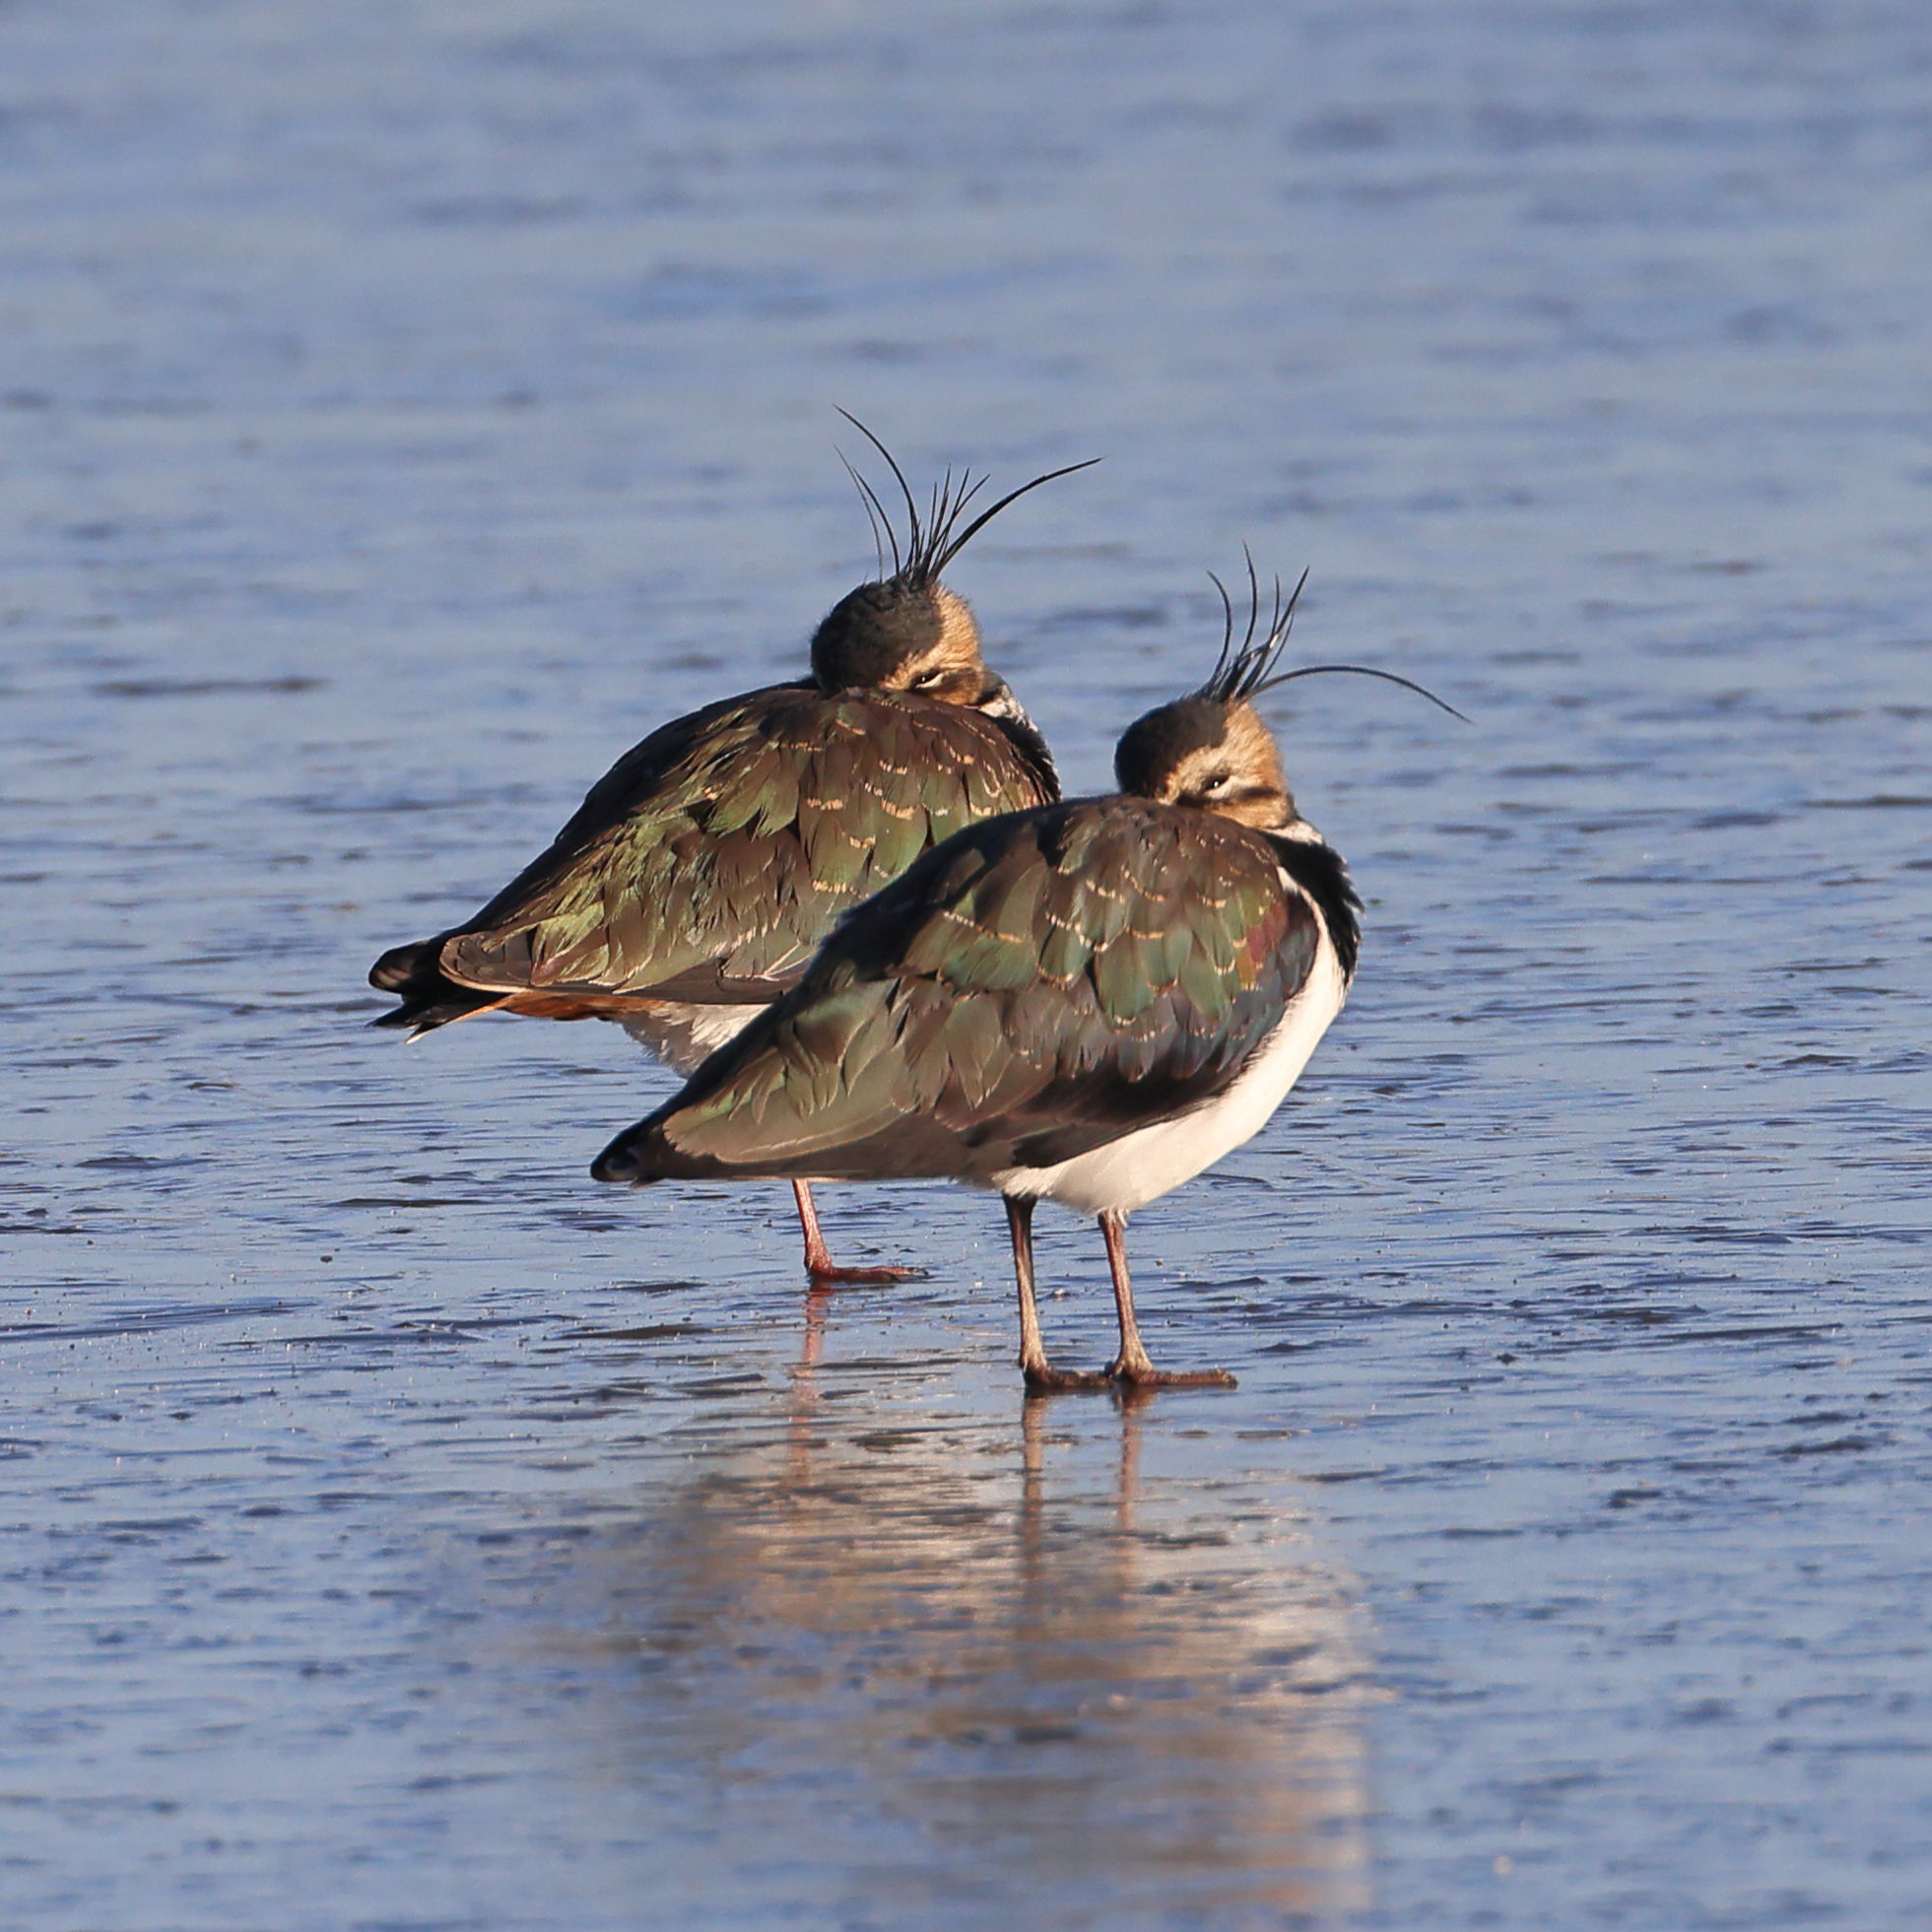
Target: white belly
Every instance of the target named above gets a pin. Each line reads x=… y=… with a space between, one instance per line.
x=1141 y=1167
x=683 y=1037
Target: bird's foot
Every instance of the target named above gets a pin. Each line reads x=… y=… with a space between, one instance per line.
x=829 y=1275
x=1142 y=1375
x=1044 y=1380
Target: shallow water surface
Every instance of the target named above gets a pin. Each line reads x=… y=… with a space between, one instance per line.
x=407 y=408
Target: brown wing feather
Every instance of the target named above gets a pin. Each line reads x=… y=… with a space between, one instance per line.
x=937 y=1034
x=715 y=858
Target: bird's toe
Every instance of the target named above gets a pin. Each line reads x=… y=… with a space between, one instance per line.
x=1140 y=1375
x=832 y=1275
x=1042 y=1380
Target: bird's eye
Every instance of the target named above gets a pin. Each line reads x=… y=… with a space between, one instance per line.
x=927 y=679
x=1220 y=782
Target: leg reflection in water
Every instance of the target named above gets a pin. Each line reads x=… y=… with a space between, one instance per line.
x=903 y=1658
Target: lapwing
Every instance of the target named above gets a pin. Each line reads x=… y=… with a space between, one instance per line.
x=700 y=874
x=1085 y=1002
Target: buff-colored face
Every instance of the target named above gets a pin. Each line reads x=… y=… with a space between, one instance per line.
x=1240 y=777
x=950 y=669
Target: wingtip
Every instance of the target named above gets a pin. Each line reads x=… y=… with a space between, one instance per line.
x=397 y=966
x=619 y=1164
x=643 y=1153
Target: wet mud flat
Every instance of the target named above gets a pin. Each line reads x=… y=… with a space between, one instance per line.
x=405 y=412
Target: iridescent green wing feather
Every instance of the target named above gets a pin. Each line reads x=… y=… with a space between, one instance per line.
x=1037 y=987
x=713 y=859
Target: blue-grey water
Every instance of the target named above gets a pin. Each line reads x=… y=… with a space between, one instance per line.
x=407 y=406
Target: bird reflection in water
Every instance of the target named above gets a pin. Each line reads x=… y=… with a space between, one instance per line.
x=914 y=1661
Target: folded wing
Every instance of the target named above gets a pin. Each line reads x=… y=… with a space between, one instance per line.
x=711 y=861
x=1039 y=986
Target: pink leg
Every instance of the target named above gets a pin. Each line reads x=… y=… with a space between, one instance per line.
x=1041 y=1378
x=819 y=1263
x=1131 y=1365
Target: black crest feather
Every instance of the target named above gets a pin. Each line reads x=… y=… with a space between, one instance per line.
x=936 y=533
x=1244 y=671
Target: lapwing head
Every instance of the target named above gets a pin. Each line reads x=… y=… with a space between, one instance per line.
x=906 y=630
x=900 y=634
x=1211 y=752
x=1210 y=749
